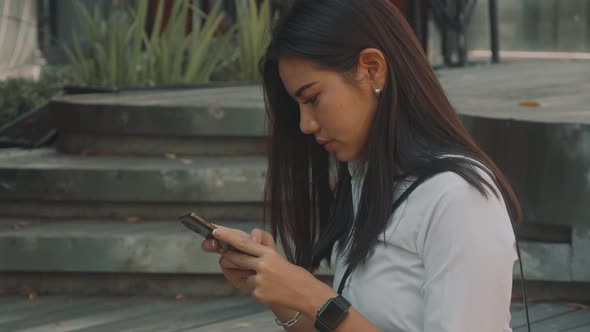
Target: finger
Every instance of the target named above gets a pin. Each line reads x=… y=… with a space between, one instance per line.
x=238 y=231
x=237 y=274
x=241 y=277
x=210 y=245
x=260 y=236
x=256 y=235
x=241 y=261
x=228 y=264
x=240 y=241
x=250 y=281
x=268 y=240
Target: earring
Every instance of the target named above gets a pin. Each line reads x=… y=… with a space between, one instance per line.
x=377 y=92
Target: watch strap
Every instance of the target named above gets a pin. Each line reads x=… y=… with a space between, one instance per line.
x=322 y=324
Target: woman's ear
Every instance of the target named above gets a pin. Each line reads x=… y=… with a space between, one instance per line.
x=372 y=66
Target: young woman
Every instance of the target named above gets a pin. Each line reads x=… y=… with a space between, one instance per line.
x=370 y=165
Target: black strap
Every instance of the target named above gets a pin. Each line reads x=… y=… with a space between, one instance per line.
x=394 y=207
x=511 y=215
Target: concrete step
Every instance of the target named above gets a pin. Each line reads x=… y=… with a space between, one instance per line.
x=212 y=121
x=103 y=246
x=107 y=257
x=121 y=257
x=51 y=177
x=89 y=144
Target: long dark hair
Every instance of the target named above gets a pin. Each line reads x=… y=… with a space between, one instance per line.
x=414 y=125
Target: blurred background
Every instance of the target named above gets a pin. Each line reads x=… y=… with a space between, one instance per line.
x=117 y=116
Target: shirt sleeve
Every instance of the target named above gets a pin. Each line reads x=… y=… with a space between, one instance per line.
x=468 y=250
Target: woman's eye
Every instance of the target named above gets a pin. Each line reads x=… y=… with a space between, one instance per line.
x=311 y=100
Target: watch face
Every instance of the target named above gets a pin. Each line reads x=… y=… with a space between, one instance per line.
x=332 y=313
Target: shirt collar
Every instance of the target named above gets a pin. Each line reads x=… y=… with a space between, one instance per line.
x=355 y=171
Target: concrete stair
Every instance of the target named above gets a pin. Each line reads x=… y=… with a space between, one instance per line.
x=97 y=213
x=213 y=121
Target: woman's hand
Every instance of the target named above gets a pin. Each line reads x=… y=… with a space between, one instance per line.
x=263 y=271
x=237 y=276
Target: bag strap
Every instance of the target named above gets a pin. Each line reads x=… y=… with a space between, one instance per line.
x=395 y=205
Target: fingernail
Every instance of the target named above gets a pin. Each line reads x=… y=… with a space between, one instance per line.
x=212 y=243
x=252 y=238
x=216 y=232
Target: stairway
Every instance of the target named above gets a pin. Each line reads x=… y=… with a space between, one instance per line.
x=98 y=213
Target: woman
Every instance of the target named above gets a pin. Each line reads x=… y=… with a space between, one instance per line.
x=357 y=117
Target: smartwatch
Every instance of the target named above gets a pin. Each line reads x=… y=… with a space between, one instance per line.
x=331 y=314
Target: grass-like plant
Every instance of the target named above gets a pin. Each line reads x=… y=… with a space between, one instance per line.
x=118 y=52
x=253 y=34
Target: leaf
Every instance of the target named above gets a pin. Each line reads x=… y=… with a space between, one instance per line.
x=578 y=306
x=170 y=155
x=31 y=295
x=20 y=225
x=180 y=297
x=529 y=103
x=253 y=24
x=133 y=219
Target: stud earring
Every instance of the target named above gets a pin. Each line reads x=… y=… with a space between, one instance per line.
x=377 y=92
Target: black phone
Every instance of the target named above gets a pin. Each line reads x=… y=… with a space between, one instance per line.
x=197 y=224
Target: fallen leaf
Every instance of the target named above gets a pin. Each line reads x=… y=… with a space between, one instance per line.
x=578 y=305
x=89 y=152
x=529 y=103
x=133 y=219
x=180 y=297
x=170 y=155
x=31 y=295
x=20 y=225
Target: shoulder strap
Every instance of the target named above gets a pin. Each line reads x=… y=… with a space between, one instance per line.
x=395 y=205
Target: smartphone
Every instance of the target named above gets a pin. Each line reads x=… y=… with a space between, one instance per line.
x=204 y=228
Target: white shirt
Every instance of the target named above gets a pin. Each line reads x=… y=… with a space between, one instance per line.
x=445 y=265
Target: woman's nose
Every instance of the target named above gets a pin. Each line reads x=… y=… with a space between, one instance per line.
x=308 y=125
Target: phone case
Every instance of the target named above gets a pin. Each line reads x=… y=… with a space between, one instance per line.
x=202 y=227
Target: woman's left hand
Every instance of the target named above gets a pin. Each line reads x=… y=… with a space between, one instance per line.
x=277 y=282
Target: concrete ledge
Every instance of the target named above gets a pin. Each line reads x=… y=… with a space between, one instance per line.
x=106 y=247
x=86 y=144
x=123 y=210
x=548 y=165
x=166 y=247
x=545 y=261
x=230 y=111
x=60 y=177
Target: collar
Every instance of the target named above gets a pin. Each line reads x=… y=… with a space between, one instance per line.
x=356 y=169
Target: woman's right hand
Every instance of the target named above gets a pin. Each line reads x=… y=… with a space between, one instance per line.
x=236 y=276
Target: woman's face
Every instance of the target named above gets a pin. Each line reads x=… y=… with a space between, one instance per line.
x=337 y=110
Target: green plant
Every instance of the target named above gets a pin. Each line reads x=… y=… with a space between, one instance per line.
x=253 y=24
x=176 y=57
x=120 y=53
x=112 y=56
x=19 y=95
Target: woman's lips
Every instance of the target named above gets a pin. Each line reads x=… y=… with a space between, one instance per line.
x=327 y=145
